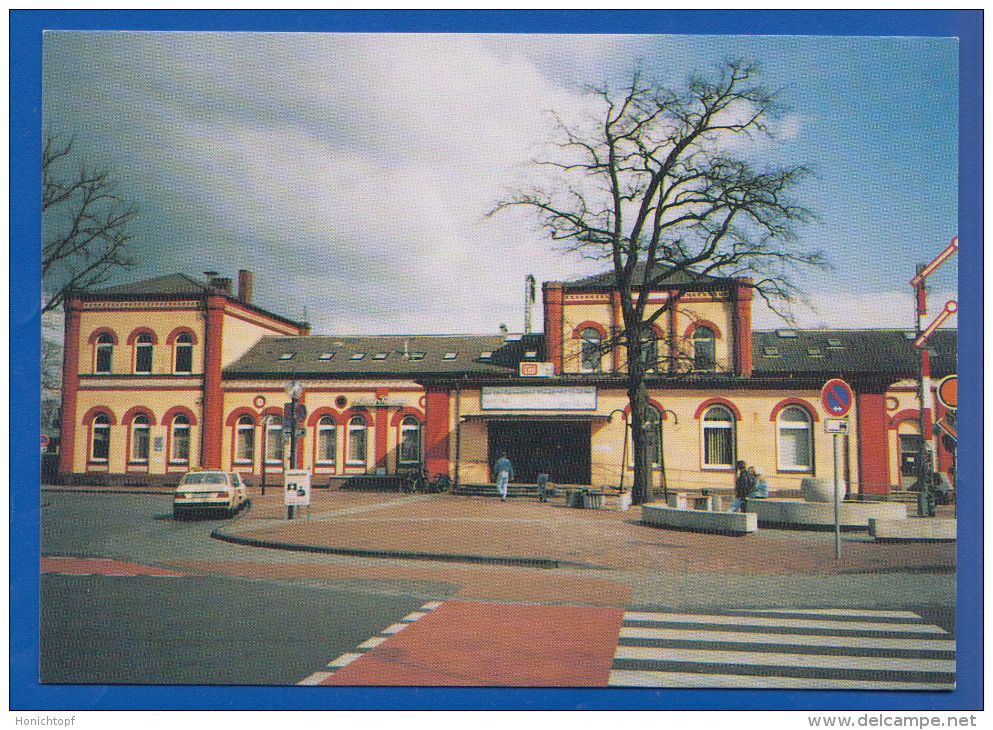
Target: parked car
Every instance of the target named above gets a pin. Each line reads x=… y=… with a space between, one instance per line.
x=209 y=491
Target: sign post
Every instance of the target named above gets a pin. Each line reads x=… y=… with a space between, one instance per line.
x=296 y=491
x=836 y=397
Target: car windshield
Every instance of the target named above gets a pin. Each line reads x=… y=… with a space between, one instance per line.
x=205 y=477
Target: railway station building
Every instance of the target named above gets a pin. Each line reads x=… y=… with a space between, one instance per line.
x=174 y=373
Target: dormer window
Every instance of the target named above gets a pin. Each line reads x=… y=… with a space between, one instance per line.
x=485 y=354
x=379 y=356
x=287 y=356
x=770 y=351
x=417 y=356
x=835 y=344
x=815 y=352
x=531 y=354
x=357 y=356
x=325 y=356
x=786 y=333
x=449 y=356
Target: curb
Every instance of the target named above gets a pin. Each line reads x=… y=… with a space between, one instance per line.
x=220 y=534
x=107 y=490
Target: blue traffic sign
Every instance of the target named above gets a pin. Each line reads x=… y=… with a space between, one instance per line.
x=836 y=397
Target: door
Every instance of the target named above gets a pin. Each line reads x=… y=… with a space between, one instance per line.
x=559 y=448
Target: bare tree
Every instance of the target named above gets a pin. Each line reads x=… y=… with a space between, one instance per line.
x=85 y=224
x=661 y=186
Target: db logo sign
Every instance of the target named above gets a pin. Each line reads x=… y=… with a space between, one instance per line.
x=529 y=368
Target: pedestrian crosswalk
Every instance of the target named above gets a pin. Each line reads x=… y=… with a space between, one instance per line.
x=784 y=649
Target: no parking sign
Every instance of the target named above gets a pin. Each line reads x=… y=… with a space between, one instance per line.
x=836 y=397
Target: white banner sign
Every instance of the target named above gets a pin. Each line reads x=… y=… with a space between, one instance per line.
x=297 y=491
x=537 y=398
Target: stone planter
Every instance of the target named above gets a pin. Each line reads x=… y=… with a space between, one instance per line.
x=822 y=490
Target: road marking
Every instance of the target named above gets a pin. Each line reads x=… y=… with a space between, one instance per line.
x=874 y=642
x=794 y=660
x=647 y=617
x=628 y=678
x=105 y=567
x=791 y=653
x=371 y=643
x=843 y=612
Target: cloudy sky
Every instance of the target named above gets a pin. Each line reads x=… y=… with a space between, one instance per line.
x=353 y=172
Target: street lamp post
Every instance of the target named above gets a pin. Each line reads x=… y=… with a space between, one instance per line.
x=294 y=390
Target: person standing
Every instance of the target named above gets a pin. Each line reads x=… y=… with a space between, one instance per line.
x=503 y=472
x=744 y=482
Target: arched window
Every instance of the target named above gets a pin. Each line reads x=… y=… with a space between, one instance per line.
x=143 y=353
x=100 y=450
x=410 y=441
x=591 y=350
x=274 y=440
x=180 y=440
x=244 y=450
x=184 y=353
x=796 y=442
x=140 y=430
x=357 y=441
x=649 y=350
x=105 y=353
x=718 y=437
x=326 y=441
x=704 y=350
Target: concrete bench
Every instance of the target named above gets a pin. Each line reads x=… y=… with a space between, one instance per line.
x=682 y=500
x=915 y=529
x=820 y=515
x=728 y=523
x=583 y=498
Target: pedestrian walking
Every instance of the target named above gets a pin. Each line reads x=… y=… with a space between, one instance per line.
x=543 y=469
x=503 y=472
x=744 y=482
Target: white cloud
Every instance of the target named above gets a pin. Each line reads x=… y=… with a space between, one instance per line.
x=848 y=310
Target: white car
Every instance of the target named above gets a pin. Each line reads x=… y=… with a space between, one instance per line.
x=209 y=491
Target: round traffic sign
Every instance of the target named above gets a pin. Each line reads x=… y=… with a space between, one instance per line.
x=836 y=397
x=948 y=392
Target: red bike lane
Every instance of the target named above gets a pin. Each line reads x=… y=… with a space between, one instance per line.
x=468 y=643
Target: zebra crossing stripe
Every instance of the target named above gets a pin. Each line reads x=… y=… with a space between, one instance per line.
x=842 y=612
x=634 y=632
x=786 y=623
x=628 y=678
x=371 y=643
x=772 y=659
x=784 y=649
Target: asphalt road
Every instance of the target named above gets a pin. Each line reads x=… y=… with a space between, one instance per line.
x=188 y=629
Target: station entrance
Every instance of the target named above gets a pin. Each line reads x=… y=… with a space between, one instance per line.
x=560 y=449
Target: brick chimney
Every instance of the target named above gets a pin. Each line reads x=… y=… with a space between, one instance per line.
x=246 y=282
x=222 y=284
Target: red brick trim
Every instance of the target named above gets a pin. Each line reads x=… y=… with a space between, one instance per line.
x=134 y=411
x=314 y=418
x=810 y=409
x=235 y=415
x=693 y=326
x=401 y=414
x=96 y=411
x=177 y=410
x=553 y=299
x=873 y=451
x=101 y=331
x=171 y=339
x=578 y=330
x=907 y=414
x=70 y=387
x=717 y=402
x=436 y=430
x=213 y=396
x=137 y=331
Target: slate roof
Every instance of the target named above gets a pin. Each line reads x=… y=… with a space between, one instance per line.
x=388 y=355
x=172 y=286
x=866 y=351
x=608 y=279
x=169 y=285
